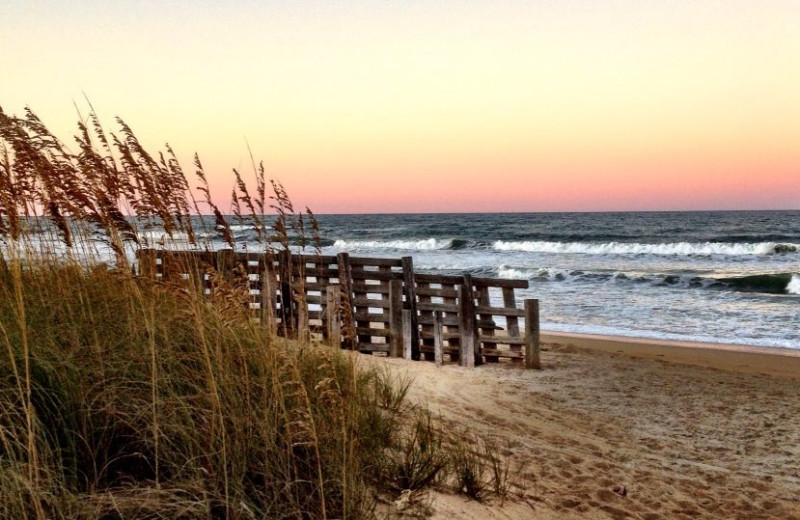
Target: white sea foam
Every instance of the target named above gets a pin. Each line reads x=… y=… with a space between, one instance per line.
x=241 y=227
x=516 y=273
x=667 y=249
x=429 y=244
x=794 y=285
x=606 y=330
x=511 y=273
x=155 y=236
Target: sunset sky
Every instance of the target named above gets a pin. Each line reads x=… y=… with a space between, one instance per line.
x=420 y=106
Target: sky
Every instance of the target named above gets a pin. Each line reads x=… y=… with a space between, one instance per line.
x=393 y=106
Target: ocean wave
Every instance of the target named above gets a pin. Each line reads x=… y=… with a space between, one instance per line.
x=427 y=244
x=543 y=274
x=156 y=235
x=663 y=249
x=772 y=283
x=793 y=287
x=777 y=283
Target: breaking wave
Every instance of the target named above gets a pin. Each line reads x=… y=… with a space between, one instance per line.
x=428 y=244
x=793 y=286
x=664 y=249
x=780 y=283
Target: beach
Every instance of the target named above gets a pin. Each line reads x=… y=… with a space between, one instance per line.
x=688 y=430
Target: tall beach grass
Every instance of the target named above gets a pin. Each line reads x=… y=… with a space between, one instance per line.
x=123 y=396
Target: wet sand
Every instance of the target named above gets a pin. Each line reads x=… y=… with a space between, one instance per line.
x=690 y=430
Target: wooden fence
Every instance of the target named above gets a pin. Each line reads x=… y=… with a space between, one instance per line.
x=374 y=305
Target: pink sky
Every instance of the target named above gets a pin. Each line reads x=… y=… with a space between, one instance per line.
x=439 y=106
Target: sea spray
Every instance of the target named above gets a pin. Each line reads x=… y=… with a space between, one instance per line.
x=794 y=285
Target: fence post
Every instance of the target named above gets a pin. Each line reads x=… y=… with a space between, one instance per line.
x=285 y=276
x=147 y=262
x=396 y=318
x=301 y=298
x=411 y=304
x=532 y=348
x=438 y=347
x=225 y=263
x=407 y=334
x=346 y=288
x=467 y=323
x=334 y=323
x=268 y=293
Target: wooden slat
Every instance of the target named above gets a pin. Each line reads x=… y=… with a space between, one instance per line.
x=470 y=351
x=449 y=319
x=426 y=316
x=373 y=347
x=372 y=318
x=268 y=284
x=447 y=349
x=445 y=292
x=371 y=331
x=376 y=275
x=364 y=288
x=317 y=259
x=450 y=297
x=333 y=321
x=510 y=302
x=499 y=311
x=500 y=282
x=407 y=335
x=445 y=335
x=443 y=307
x=438 y=278
x=410 y=295
x=315 y=298
x=532 y=348
x=395 y=301
x=377 y=262
x=484 y=303
x=362 y=301
x=438 y=341
x=503 y=353
x=503 y=340
x=315 y=272
x=286 y=312
x=360 y=309
x=316 y=286
x=452 y=321
x=345 y=285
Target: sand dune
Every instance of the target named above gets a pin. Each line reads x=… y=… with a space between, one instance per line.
x=689 y=433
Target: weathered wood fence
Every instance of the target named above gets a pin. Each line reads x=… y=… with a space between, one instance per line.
x=374 y=305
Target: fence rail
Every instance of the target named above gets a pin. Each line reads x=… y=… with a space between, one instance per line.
x=374 y=305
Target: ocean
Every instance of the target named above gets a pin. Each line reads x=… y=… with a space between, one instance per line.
x=720 y=277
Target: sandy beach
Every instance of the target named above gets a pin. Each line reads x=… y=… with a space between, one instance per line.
x=689 y=430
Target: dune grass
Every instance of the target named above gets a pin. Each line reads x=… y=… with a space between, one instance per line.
x=123 y=396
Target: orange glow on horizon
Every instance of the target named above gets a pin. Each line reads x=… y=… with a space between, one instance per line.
x=445 y=106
